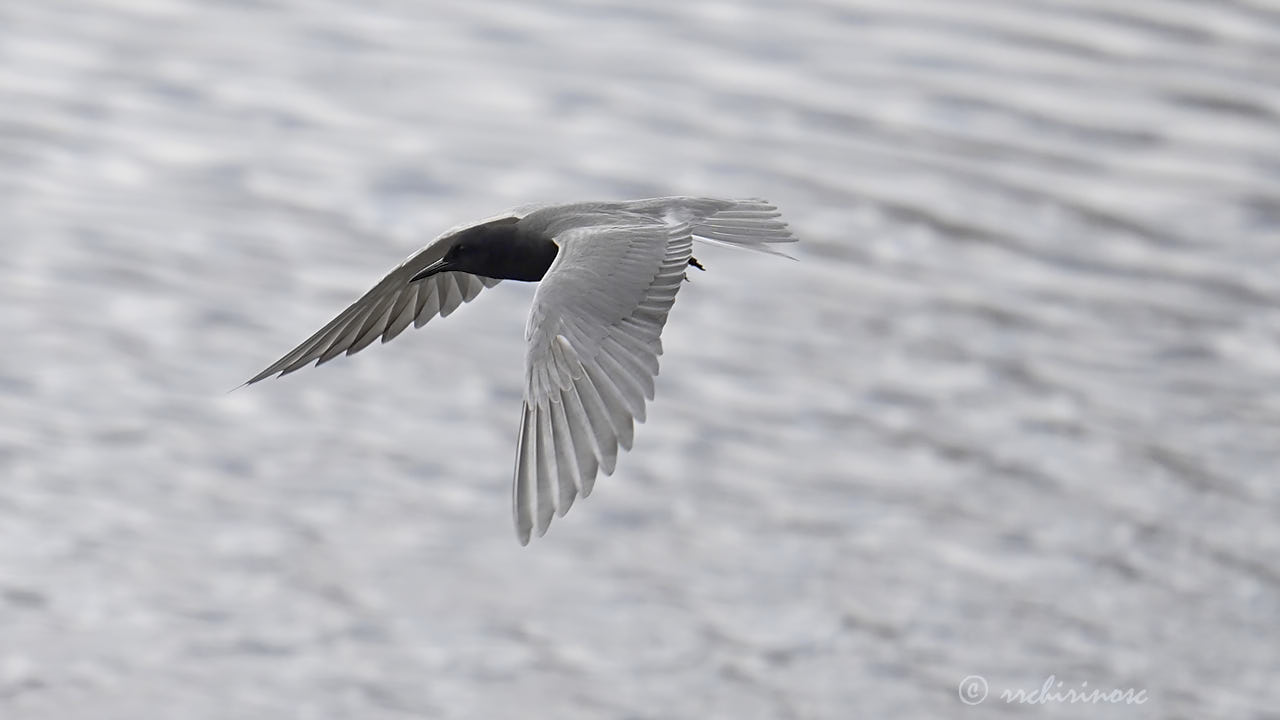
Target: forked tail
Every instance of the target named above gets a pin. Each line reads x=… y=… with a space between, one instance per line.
x=750 y=224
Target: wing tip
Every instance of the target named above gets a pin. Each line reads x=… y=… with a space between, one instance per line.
x=265 y=374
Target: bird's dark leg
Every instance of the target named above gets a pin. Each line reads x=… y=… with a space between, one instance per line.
x=694 y=262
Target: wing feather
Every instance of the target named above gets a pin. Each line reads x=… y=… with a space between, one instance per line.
x=581 y=441
x=402 y=313
x=428 y=303
x=636 y=368
x=627 y=387
x=566 y=457
x=526 y=459
x=545 y=464
x=385 y=311
x=450 y=295
x=375 y=324
x=613 y=403
x=592 y=358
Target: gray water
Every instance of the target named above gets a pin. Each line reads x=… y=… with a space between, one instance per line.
x=1014 y=413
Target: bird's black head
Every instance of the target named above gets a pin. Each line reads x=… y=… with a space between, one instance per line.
x=497 y=249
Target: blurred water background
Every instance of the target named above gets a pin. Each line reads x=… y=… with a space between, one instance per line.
x=1014 y=413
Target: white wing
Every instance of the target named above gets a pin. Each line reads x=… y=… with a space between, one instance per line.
x=593 y=347
x=385 y=311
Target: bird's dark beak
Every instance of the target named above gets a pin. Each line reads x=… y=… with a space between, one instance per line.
x=438 y=266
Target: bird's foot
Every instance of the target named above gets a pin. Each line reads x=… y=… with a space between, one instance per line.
x=694 y=262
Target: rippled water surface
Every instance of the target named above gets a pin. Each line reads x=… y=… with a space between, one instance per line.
x=1014 y=413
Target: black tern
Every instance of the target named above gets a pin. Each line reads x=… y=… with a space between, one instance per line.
x=609 y=274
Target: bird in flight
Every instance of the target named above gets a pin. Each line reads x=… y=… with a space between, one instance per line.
x=608 y=273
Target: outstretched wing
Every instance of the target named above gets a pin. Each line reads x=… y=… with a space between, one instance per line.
x=386 y=310
x=593 y=347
